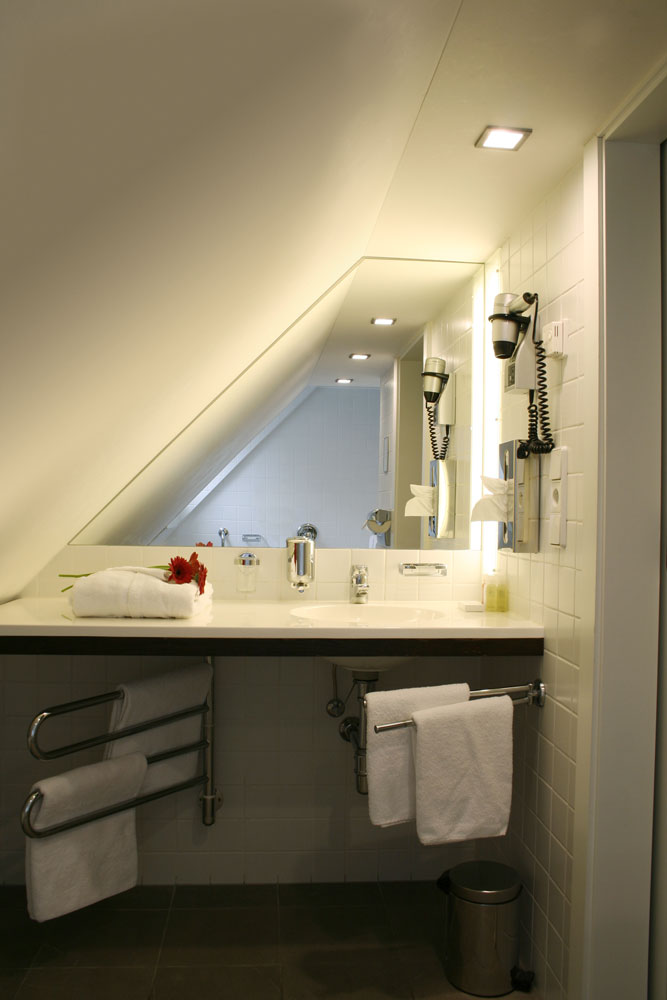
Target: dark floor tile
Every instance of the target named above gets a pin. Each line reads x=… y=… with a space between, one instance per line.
x=10 y=980
x=205 y=896
x=347 y=975
x=416 y=925
x=102 y=937
x=412 y=894
x=20 y=938
x=141 y=897
x=82 y=984
x=304 y=929
x=330 y=894
x=425 y=971
x=226 y=936
x=223 y=983
x=12 y=895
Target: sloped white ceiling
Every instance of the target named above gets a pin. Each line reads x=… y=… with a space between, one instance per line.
x=180 y=181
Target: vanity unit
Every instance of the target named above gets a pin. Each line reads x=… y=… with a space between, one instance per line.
x=280 y=628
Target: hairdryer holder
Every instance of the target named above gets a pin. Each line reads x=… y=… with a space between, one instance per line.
x=522 y=532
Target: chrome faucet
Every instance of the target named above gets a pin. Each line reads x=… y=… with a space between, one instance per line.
x=359 y=585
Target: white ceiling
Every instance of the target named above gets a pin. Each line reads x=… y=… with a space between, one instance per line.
x=182 y=180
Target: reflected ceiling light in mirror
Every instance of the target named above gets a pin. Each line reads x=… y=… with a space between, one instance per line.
x=382 y=321
x=344 y=381
x=499 y=137
x=359 y=357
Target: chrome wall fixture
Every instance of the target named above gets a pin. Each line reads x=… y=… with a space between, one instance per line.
x=300 y=562
x=521 y=531
x=422 y=569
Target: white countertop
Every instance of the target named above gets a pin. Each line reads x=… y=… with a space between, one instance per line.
x=52 y=616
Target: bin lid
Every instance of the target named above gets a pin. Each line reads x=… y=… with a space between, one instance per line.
x=484 y=882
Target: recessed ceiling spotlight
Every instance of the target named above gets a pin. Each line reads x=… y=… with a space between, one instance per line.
x=359 y=357
x=499 y=137
x=344 y=381
x=383 y=321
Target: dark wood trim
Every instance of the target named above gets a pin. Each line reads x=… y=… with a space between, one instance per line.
x=253 y=646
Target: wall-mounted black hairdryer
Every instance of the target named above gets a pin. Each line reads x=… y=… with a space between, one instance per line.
x=435 y=380
x=525 y=368
x=507 y=323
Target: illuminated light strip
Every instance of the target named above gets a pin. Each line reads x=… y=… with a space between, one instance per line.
x=477 y=388
x=492 y=407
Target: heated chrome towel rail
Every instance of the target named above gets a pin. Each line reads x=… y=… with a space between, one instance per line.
x=210 y=797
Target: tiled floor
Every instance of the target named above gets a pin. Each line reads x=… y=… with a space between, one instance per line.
x=295 y=942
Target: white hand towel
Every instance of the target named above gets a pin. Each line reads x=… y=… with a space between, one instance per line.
x=391 y=773
x=151 y=698
x=81 y=866
x=137 y=592
x=463 y=766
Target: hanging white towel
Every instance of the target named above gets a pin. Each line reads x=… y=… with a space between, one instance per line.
x=151 y=698
x=463 y=767
x=137 y=592
x=391 y=773
x=78 y=867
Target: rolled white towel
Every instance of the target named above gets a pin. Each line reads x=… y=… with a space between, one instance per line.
x=137 y=592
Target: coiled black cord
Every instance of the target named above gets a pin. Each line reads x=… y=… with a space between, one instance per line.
x=439 y=449
x=547 y=443
x=534 y=445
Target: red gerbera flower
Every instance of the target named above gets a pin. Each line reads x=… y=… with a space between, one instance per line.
x=201 y=578
x=181 y=570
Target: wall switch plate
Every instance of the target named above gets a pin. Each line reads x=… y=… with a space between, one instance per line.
x=558 y=497
x=553 y=337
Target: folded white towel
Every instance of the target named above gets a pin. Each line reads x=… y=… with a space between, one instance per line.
x=137 y=592
x=391 y=774
x=151 y=698
x=81 y=866
x=463 y=765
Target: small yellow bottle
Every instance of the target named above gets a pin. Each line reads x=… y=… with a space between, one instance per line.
x=503 y=595
x=490 y=592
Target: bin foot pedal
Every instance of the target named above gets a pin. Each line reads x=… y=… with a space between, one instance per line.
x=522 y=980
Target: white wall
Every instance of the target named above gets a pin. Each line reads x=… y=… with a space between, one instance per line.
x=320 y=465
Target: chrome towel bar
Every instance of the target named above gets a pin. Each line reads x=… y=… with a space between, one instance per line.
x=211 y=798
x=534 y=694
x=48 y=831
x=95 y=741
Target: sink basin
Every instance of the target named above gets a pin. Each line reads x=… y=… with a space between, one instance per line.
x=365 y=615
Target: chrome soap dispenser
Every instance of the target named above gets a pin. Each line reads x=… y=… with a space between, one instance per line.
x=300 y=562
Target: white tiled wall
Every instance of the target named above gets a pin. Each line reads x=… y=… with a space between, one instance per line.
x=319 y=466
x=332 y=572
x=545 y=254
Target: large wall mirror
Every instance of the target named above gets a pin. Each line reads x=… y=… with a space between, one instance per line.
x=288 y=444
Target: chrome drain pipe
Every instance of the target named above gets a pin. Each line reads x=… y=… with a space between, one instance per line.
x=353 y=729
